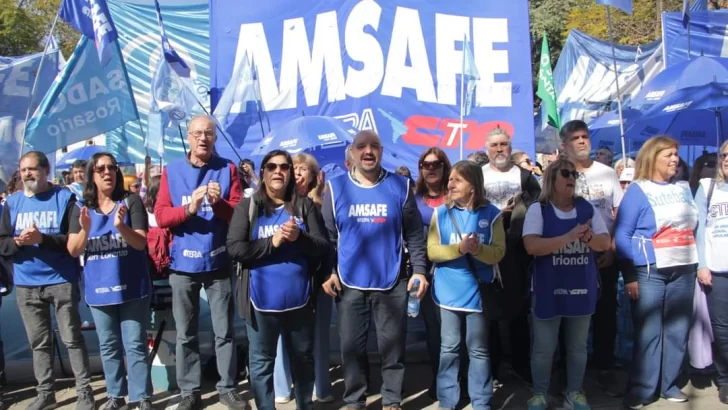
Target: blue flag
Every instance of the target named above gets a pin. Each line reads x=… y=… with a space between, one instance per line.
x=470 y=76
x=85 y=100
x=242 y=89
x=624 y=5
x=92 y=19
x=170 y=54
x=686 y=13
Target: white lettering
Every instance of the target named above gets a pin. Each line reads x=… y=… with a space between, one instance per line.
x=191 y=253
x=363 y=47
x=378 y=210
x=45 y=221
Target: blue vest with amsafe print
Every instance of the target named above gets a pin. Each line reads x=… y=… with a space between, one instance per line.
x=114 y=272
x=455 y=287
x=36 y=265
x=280 y=281
x=565 y=282
x=369 y=222
x=199 y=244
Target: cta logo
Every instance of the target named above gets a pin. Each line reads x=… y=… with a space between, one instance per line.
x=445 y=133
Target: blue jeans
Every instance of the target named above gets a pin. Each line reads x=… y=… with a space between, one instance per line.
x=662 y=317
x=282 y=373
x=480 y=381
x=717 y=296
x=122 y=329
x=545 y=340
x=296 y=327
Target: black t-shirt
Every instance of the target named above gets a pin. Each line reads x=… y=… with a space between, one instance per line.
x=137 y=214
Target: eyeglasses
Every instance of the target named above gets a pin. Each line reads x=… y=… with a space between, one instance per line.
x=430 y=165
x=723 y=156
x=110 y=167
x=201 y=134
x=527 y=161
x=566 y=173
x=272 y=166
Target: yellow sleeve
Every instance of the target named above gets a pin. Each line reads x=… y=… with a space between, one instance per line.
x=437 y=252
x=493 y=253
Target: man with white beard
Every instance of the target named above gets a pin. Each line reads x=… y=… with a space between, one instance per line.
x=34 y=234
x=512 y=189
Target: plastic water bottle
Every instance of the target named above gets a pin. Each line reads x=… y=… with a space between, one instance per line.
x=413 y=304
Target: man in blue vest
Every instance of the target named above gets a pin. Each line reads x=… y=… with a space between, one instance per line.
x=34 y=232
x=196 y=199
x=370 y=213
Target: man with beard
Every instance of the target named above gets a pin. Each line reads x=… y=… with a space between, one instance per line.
x=369 y=214
x=599 y=184
x=34 y=232
x=512 y=189
x=195 y=202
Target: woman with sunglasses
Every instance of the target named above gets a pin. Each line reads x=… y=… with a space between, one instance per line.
x=711 y=200
x=430 y=193
x=110 y=230
x=658 y=257
x=309 y=183
x=465 y=240
x=562 y=232
x=280 y=245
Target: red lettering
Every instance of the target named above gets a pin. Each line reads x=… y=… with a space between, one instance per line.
x=445 y=132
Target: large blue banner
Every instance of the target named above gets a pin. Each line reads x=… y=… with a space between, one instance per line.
x=393 y=66
x=16 y=83
x=707 y=35
x=584 y=76
x=86 y=99
x=187 y=28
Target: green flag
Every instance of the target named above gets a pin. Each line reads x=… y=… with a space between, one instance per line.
x=546 y=91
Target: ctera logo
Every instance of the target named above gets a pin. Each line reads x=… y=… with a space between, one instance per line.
x=445 y=132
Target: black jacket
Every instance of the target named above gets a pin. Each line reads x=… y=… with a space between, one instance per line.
x=245 y=251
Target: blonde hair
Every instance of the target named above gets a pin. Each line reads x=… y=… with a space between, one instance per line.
x=313 y=167
x=719 y=175
x=644 y=165
x=549 y=178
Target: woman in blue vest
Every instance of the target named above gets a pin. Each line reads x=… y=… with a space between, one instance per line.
x=562 y=232
x=280 y=244
x=309 y=182
x=712 y=202
x=110 y=230
x=658 y=257
x=465 y=239
x=430 y=193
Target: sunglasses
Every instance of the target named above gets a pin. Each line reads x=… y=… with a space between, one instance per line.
x=272 y=166
x=430 y=165
x=723 y=156
x=111 y=168
x=527 y=161
x=565 y=173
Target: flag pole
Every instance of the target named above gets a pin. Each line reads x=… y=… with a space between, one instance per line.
x=181 y=137
x=462 y=96
x=616 y=81
x=35 y=82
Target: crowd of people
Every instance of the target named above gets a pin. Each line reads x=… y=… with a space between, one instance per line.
x=490 y=243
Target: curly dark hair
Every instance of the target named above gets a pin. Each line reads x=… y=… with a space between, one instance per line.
x=91 y=192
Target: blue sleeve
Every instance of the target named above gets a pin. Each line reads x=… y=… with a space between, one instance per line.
x=628 y=217
x=700 y=202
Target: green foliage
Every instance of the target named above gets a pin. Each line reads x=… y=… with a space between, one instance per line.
x=24 y=26
x=19 y=32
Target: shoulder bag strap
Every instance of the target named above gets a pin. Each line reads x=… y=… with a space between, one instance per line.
x=468 y=257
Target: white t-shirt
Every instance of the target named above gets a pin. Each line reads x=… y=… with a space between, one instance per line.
x=152 y=220
x=501 y=186
x=600 y=185
x=533 y=224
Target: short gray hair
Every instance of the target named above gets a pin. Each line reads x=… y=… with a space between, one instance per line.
x=498 y=131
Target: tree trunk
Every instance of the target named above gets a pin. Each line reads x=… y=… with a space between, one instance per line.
x=658 y=26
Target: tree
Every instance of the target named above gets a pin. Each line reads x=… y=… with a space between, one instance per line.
x=643 y=26
x=19 y=30
x=46 y=11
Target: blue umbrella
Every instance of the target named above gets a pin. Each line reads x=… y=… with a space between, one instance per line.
x=605 y=132
x=306 y=133
x=695 y=72
x=85 y=153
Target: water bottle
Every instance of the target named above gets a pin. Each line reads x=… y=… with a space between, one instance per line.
x=413 y=304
